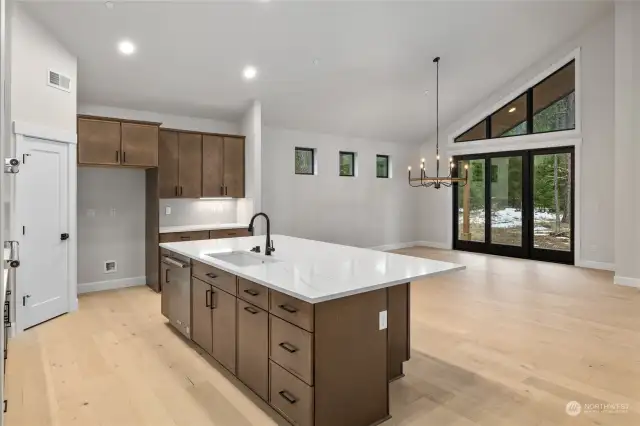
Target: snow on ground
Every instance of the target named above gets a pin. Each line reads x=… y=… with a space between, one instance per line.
x=511 y=218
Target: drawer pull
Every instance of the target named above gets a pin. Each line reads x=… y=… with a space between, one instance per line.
x=231 y=233
x=288 y=347
x=211 y=275
x=251 y=292
x=251 y=310
x=288 y=397
x=288 y=308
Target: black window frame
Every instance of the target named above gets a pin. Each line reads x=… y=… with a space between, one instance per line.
x=313 y=160
x=529 y=112
x=386 y=157
x=353 y=163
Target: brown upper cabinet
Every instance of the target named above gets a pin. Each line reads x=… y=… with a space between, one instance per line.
x=222 y=166
x=180 y=164
x=193 y=165
x=112 y=142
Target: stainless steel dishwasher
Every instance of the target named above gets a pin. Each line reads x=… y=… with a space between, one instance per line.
x=176 y=291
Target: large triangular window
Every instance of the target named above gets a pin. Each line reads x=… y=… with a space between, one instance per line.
x=549 y=106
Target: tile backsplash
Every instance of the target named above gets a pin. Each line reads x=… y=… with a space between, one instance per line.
x=197 y=212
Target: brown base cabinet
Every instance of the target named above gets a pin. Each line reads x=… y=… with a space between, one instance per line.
x=324 y=364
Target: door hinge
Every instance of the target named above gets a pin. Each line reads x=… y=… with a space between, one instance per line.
x=11 y=165
x=6 y=405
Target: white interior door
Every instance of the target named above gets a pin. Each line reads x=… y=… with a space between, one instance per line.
x=41 y=197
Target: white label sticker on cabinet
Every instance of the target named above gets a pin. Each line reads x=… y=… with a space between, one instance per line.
x=382 y=320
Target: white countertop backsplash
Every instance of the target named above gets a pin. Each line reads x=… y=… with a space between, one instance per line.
x=315 y=271
x=205 y=227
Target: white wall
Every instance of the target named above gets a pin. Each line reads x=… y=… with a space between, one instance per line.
x=252 y=203
x=33 y=53
x=111 y=223
x=627 y=146
x=597 y=159
x=362 y=211
x=197 y=212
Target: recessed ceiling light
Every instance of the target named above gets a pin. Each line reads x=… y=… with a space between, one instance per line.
x=316 y=62
x=109 y=5
x=249 y=72
x=426 y=92
x=126 y=47
x=512 y=109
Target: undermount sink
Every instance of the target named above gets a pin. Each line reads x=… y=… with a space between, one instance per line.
x=243 y=258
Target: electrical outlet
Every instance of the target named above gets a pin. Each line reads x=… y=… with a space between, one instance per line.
x=110 y=266
x=382 y=320
x=167 y=210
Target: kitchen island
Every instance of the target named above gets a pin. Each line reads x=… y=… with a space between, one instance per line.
x=317 y=330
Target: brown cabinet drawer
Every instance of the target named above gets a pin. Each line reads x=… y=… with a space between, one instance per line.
x=253 y=293
x=292 y=348
x=229 y=233
x=290 y=396
x=174 y=237
x=253 y=348
x=291 y=309
x=214 y=276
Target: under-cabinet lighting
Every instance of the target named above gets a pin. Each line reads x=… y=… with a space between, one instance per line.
x=216 y=198
x=512 y=109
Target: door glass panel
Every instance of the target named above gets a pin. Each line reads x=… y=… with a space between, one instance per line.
x=506 y=201
x=471 y=202
x=552 y=201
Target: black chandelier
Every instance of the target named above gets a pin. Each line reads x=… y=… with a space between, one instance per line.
x=438 y=181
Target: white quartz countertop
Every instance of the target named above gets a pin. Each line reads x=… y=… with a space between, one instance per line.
x=315 y=271
x=211 y=226
x=5 y=272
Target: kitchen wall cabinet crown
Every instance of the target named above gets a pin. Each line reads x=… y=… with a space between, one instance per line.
x=113 y=142
x=194 y=165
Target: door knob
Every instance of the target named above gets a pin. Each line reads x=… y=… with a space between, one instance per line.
x=64 y=236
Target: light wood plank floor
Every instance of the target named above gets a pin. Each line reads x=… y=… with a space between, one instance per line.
x=506 y=342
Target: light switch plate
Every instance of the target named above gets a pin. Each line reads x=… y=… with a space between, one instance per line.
x=167 y=210
x=382 y=320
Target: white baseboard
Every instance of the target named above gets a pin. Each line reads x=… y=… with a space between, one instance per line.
x=626 y=281
x=111 y=285
x=592 y=264
x=398 y=246
x=434 y=244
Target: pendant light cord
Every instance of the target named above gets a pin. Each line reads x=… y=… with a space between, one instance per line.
x=437 y=61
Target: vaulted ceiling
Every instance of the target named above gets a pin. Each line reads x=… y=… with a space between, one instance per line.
x=350 y=68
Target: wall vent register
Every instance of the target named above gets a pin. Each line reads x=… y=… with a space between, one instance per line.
x=59 y=81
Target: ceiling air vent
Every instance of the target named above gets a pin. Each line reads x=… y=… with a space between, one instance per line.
x=59 y=81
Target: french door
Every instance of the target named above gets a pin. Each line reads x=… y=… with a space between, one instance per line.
x=518 y=203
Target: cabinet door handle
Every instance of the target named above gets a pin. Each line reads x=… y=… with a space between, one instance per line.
x=207 y=303
x=211 y=275
x=212 y=300
x=288 y=347
x=124 y=156
x=225 y=190
x=176 y=190
x=166 y=275
x=251 y=310
x=288 y=308
x=288 y=397
x=180 y=191
x=117 y=156
x=251 y=292
x=221 y=189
